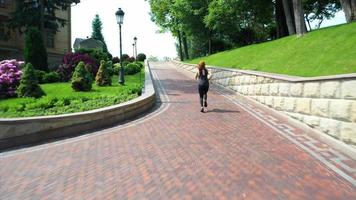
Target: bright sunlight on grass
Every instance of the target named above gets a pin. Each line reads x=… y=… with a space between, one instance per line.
x=327 y=51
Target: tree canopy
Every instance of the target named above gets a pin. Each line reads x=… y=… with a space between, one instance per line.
x=97 y=34
x=39 y=13
x=203 y=27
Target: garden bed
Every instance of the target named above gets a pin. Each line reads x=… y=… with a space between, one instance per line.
x=61 y=98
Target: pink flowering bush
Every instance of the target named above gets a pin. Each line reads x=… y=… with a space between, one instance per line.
x=10 y=76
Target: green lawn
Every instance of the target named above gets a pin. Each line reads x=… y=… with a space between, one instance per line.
x=322 y=52
x=61 y=98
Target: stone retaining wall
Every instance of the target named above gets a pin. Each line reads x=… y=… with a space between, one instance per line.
x=21 y=131
x=327 y=104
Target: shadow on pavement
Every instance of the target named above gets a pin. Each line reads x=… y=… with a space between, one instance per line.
x=217 y=110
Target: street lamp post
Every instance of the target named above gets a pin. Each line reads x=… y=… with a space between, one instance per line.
x=133 y=50
x=135 y=39
x=120 y=19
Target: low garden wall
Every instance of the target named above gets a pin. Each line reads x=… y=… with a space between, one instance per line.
x=21 y=131
x=326 y=103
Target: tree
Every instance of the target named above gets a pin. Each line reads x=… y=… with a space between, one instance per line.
x=103 y=76
x=319 y=10
x=349 y=7
x=288 y=10
x=97 y=31
x=35 y=51
x=81 y=79
x=281 y=23
x=299 y=17
x=29 y=86
x=40 y=14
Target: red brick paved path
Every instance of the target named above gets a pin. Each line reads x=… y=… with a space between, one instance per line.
x=230 y=152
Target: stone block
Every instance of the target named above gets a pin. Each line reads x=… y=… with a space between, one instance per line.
x=278 y=103
x=340 y=110
x=265 y=89
x=330 y=89
x=353 y=111
x=320 y=107
x=303 y=105
x=274 y=89
x=235 y=88
x=260 y=79
x=245 y=90
x=289 y=104
x=348 y=132
x=258 y=89
x=251 y=90
x=269 y=101
x=330 y=127
x=311 y=121
x=311 y=90
x=261 y=99
x=284 y=89
x=348 y=89
x=253 y=79
x=296 y=116
x=296 y=89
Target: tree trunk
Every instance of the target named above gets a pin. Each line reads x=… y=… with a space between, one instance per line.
x=349 y=8
x=185 y=43
x=180 y=46
x=299 y=17
x=307 y=19
x=282 y=28
x=289 y=16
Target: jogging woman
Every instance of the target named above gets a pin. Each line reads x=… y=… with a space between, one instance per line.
x=203 y=86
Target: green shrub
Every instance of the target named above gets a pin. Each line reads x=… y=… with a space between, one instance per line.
x=131 y=69
x=51 y=77
x=116 y=68
x=103 y=77
x=39 y=75
x=96 y=54
x=29 y=86
x=139 y=64
x=141 y=57
x=110 y=68
x=35 y=50
x=81 y=79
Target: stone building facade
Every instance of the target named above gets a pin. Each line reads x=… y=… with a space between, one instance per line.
x=12 y=42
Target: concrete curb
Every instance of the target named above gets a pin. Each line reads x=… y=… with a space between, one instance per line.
x=22 y=131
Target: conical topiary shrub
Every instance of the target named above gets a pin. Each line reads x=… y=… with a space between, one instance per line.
x=81 y=79
x=35 y=51
x=103 y=76
x=29 y=86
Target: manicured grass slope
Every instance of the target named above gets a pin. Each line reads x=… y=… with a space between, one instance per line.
x=61 y=98
x=327 y=51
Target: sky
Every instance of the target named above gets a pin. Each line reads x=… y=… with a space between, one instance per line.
x=137 y=22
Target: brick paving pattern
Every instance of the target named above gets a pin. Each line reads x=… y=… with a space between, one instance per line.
x=234 y=151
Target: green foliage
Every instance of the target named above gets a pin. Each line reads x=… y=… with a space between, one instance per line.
x=132 y=68
x=141 y=57
x=61 y=99
x=51 y=77
x=81 y=79
x=28 y=14
x=29 y=86
x=318 y=53
x=39 y=75
x=95 y=54
x=44 y=77
x=103 y=76
x=35 y=50
x=97 y=31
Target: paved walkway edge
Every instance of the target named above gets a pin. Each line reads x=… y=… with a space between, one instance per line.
x=23 y=131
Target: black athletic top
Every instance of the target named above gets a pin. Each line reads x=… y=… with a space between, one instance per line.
x=203 y=79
